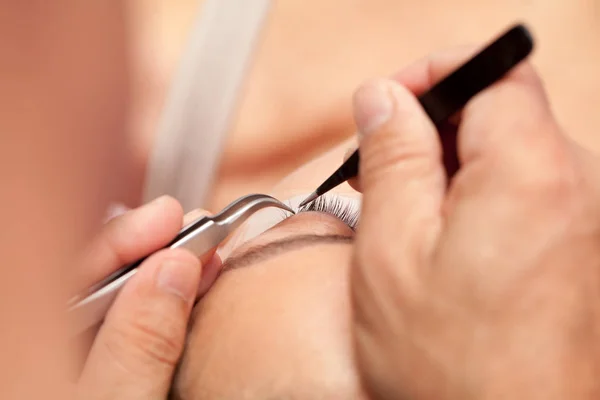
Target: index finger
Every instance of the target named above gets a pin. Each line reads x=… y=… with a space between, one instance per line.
x=422 y=75
x=426 y=72
x=128 y=237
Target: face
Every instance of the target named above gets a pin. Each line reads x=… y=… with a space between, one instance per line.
x=276 y=324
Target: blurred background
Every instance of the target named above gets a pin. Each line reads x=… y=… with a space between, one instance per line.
x=313 y=53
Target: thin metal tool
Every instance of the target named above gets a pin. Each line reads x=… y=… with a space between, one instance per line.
x=201 y=237
x=452 y=93
x=203 y=99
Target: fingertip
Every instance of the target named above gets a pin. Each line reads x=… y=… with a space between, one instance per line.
x=373 y=106
x=133 y=235
x=165 y=218
x=170 y=205
x=387 y=108
x=162 y=215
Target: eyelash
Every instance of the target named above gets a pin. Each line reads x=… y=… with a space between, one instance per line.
x=332 y=205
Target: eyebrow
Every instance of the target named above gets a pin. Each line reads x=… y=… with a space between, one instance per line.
x=266 y=251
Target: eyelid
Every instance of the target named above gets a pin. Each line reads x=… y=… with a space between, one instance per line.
x=310 y=223
x=267 y=218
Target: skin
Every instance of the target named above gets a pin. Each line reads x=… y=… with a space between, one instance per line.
x=247 y=342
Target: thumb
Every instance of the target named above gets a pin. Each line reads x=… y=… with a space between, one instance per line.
x=403 y=183
x=136 y=351
x=401 y=172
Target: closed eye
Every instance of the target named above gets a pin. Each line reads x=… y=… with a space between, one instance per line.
x=343 y=208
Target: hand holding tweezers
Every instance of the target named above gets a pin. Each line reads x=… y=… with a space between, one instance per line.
x=201 y=237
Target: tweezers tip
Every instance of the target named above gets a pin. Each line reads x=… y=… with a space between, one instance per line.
x=310 y=198
x=286 y=208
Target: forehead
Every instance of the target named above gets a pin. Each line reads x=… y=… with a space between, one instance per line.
x=278 y=328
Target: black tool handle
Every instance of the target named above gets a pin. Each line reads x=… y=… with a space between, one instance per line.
x=452 y=93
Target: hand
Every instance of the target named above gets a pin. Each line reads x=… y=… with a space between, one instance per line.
x=134 y=354
x=487 y=287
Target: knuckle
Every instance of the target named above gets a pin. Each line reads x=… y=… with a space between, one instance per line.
x=530 y=146
x=524 y=125
x=147 y=341
x=507 y=115
x=526 y=75
x=551 y=176
x=395 y=153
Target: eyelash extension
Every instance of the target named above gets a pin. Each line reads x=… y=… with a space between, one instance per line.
x=332 y=205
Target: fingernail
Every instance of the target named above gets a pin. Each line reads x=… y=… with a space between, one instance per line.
x=159 y=201
x=179 y=278
x=153 y=207
x=373 y=107
x=114 y=210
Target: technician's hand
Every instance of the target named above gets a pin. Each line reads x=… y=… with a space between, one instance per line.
x=488 y=288
x=135 y=352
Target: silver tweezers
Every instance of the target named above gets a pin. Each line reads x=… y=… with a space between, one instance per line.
x=201 y=237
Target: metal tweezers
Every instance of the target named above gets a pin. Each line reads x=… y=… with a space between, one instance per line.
x=201 y=237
